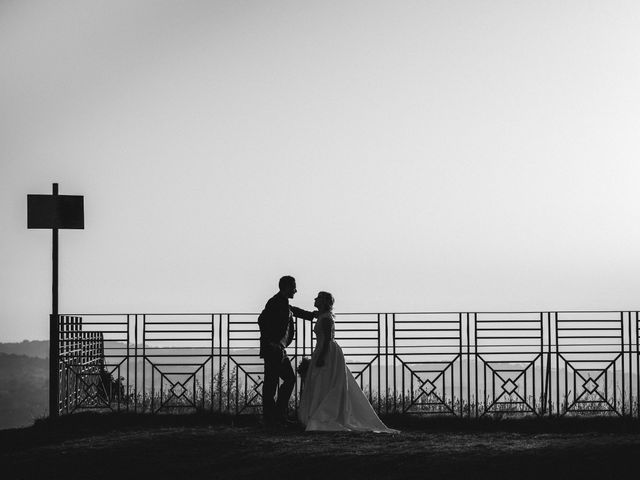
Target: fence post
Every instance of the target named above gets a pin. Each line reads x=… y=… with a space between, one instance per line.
x=54 y=360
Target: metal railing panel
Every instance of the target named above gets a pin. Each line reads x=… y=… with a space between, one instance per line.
x=466 y=364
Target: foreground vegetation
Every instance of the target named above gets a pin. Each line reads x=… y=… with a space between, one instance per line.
x=230 y=447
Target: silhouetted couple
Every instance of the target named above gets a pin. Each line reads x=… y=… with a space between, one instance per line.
x=331 y=400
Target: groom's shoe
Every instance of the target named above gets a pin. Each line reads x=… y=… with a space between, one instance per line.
x=271 y=425
x=287 y=423
x=269 y=422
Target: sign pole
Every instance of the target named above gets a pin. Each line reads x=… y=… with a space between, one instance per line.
x=55 y=212
x=54 y=381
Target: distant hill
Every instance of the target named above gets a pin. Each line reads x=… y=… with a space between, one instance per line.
x=30 y=348
x=23 y=389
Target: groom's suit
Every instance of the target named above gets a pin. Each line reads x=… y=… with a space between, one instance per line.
x=277 y=331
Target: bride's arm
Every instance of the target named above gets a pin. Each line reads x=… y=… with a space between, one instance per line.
x=326 y=327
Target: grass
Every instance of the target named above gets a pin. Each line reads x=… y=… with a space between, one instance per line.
x=215 y=446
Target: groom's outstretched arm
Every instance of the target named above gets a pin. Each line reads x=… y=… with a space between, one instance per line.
x=300 y=313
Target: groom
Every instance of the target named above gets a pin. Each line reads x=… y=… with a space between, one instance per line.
x=276 y=333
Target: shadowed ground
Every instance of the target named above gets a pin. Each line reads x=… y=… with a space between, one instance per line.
x=126 y=446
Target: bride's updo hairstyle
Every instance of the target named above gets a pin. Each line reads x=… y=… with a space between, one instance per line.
x=327 y=299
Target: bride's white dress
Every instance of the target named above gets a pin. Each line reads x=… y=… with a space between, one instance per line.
x=331 y=398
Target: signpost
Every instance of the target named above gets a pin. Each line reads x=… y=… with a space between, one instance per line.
x=54 y=212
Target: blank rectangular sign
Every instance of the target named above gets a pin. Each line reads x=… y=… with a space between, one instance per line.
x=55 y=211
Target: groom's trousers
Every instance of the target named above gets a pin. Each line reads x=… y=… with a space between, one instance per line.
x=277 y=366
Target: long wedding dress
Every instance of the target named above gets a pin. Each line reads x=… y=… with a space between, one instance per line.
x=331 y=399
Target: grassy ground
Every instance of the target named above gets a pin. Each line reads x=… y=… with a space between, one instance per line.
x=158 y=447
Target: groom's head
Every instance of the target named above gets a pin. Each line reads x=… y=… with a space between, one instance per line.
x=287 y=285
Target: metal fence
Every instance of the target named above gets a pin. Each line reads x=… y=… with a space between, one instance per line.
x=81 y=363
x=469 y=364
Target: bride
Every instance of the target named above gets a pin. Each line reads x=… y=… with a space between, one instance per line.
x=331 y=399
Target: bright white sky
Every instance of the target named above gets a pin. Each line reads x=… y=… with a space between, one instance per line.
x=425 y=155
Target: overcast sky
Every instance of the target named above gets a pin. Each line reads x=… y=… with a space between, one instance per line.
x=430 y=155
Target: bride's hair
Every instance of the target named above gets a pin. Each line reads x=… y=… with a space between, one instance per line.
x=328 y=300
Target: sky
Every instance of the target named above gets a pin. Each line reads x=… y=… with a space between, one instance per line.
x=458 y=155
